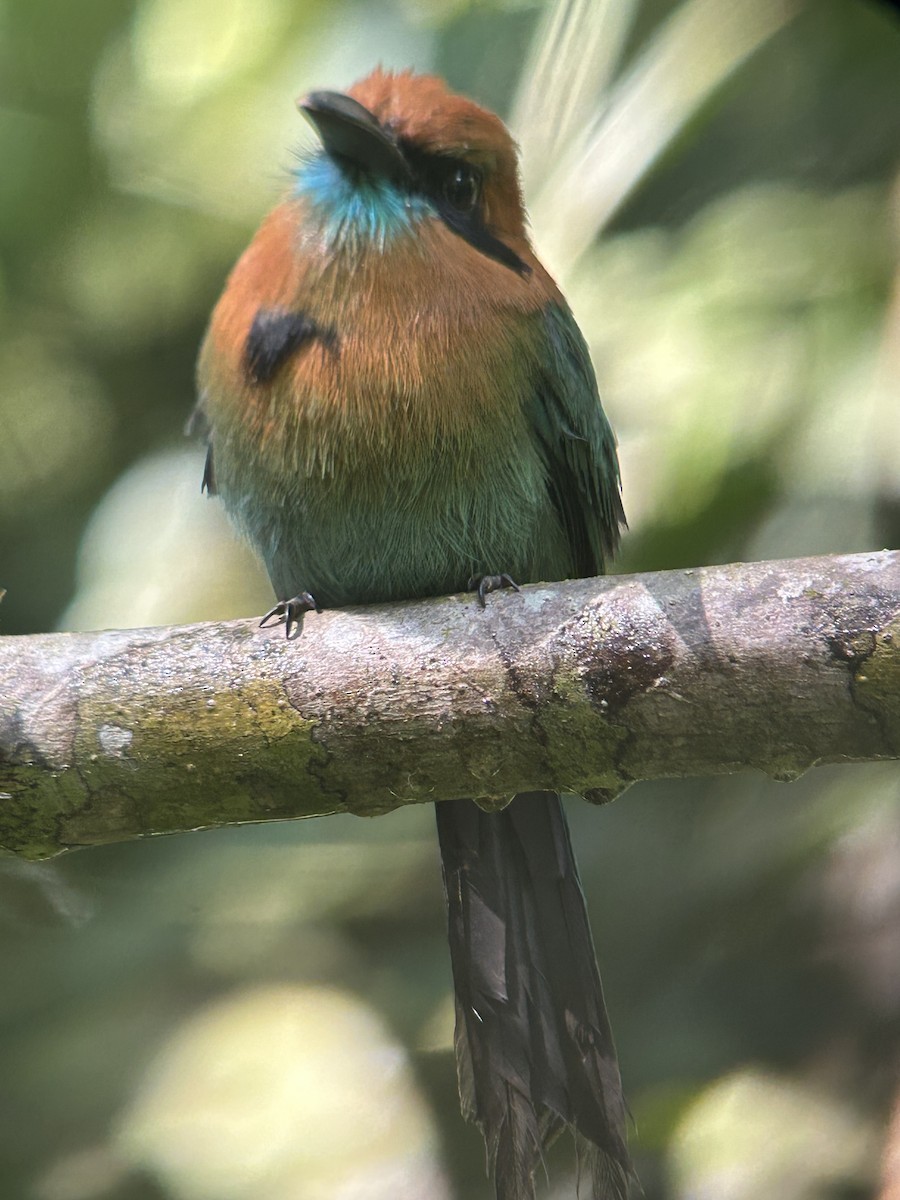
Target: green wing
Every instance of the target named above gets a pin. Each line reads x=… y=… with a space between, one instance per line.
x=577 y=444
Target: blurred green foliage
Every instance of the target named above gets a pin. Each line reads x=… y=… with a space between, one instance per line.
x=265 y=1013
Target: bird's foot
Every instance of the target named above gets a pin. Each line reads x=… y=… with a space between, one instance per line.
x=291 y=612
x=482 y=584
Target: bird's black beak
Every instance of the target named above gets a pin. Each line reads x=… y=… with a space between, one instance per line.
x=349 y=132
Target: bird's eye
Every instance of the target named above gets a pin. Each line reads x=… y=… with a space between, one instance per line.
x=461 y=188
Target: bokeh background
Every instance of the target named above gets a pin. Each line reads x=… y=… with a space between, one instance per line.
x=265 y=1013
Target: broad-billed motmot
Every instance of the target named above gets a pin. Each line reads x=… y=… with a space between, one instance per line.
x=398 y=403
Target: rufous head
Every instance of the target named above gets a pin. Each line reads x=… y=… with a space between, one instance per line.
x=432 y=146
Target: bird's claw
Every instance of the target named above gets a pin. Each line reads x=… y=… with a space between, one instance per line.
x=482 y=584
x=291 y=612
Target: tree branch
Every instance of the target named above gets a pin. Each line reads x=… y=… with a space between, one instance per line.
x=583 y=686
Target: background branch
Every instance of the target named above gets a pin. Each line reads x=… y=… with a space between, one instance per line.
x=585 y=686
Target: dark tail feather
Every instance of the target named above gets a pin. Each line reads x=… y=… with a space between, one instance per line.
x=534 y=1049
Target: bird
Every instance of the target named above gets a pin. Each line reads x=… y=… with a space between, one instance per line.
x=398 y=403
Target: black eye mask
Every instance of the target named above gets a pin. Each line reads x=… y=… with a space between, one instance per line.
x=430 y=173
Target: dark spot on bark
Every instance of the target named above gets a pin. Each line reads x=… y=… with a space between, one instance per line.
x=622 y=668
x=851 y=647
x=852 y=622
x=17 y=750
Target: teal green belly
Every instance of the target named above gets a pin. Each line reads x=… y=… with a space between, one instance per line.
x=351 y=538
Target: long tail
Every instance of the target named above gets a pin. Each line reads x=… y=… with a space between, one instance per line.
x=534 y=1049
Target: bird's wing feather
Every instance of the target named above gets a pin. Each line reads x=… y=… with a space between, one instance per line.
x=577 y=443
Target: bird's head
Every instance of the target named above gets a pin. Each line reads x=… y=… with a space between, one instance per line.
x=398 y=149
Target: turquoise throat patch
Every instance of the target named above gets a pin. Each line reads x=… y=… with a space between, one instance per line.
x=355 y=207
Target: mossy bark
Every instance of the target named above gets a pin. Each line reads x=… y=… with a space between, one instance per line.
x=583 y=686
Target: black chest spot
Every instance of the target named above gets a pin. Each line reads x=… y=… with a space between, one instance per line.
x=275 y=335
